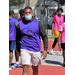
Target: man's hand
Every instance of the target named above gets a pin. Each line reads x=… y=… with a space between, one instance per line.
x=44 y=54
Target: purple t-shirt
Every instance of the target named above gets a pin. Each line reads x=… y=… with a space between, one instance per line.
x=19 y=20
x=12 y=29
x=30 y=36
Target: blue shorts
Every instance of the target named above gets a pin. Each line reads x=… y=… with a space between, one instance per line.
x=12 y=45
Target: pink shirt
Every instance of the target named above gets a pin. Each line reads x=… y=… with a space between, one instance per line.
x=62 y=29
x=19 y=20
x=58 y=22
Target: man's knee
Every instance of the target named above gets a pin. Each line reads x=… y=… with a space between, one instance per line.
x=26 y=67
x=11 y=54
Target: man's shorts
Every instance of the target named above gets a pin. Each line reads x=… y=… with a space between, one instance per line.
x=63 y=46
x=12 y=45
x=56 y=33
x=30 y=58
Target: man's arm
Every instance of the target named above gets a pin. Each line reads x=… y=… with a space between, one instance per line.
x=44 y=38
x=54 y=19
x=18 y=37
x=43 y=35
x=52 y=28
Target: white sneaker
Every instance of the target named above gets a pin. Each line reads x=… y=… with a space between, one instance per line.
x=51 y=52
x=60 y=54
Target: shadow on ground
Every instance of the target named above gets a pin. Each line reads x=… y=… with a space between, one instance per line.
x=53 y=62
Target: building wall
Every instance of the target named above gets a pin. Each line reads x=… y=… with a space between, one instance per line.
x=33 y=3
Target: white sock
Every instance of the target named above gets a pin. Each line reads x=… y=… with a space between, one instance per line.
x=17 y=62
x=61 y=52
x=51 y=50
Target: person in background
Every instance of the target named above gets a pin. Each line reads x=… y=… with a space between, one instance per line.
x=61 y=41
x=57 y=21
x=12 y=36
x=17 y=51
x=21 y=12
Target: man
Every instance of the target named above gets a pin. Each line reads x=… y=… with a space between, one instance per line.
x=12 y=36
x=62 y=40
x=17 y=51
x=29 y=32
x=57 y=21
x=21 y=12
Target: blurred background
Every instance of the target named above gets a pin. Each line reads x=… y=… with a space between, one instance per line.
x=44 y=10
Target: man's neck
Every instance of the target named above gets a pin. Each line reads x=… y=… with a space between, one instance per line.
x=59 y=15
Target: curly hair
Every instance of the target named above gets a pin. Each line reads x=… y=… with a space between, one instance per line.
x=59 y=9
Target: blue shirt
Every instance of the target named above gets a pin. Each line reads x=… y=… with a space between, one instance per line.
x=16 y=22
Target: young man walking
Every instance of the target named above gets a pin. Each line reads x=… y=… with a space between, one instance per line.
x=57 y=21
x=12 y=36
x=29 y=32
x=17 y=51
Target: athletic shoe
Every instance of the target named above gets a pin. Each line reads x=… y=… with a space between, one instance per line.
x=18 y=65
x=10 y=68
x=51 y=52
x=60 y=54
x=14 y=66
x=64 y=63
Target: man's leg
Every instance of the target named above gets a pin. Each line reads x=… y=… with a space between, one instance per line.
x=17 y=54
x=17 y=64
x=25 y=61
x=17 y=51
x=53 y=46
x=63 y=48
x=26 y=69
x=10 y=56
x=35 y=70
x=36 y=61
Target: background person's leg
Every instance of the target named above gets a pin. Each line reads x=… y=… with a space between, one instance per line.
x=10 y=56
x=17 y=51
x=54 y=43
x=63 y=48
x=17 y=54
x=53 y=46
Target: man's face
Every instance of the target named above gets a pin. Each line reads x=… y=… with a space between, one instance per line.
x=22 y=16
x=59 y=12
x=28 y=12
x=13 y=15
